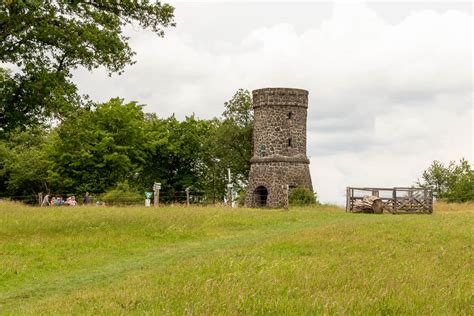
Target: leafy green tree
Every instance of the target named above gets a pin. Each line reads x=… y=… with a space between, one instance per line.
x=176 y=155
x=23 y=164
x=4 y=159
x=33 y=97
x=436 y=176
x=454 y=183
x=460 y=182
x=196 y=153
x=97 y=148
x=239 y=109
x=231 y=143
x=46 y=39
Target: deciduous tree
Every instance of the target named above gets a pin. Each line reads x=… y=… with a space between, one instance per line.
x=44 y=40
x=232 y=138
x=454 y=183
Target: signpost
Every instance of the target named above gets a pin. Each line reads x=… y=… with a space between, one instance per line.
x=229 y=188
x=187 y=196
x=148 y=195
x=156 y=190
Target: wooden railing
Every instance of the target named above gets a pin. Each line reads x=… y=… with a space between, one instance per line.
x=396 y=200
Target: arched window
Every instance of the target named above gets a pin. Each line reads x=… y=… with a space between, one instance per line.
x=289 y=142
x=290 y=114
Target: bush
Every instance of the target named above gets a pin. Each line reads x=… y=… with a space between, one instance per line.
x=240 y=199
x=123 y=194
x=301 y=196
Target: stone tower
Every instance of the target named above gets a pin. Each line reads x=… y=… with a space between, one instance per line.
x=279 y=146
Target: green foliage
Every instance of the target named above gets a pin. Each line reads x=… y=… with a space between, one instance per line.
x=436 y=176
x=24 y=162
x=230 y=144
x=454 y=183
x=461 y=182
x=102 y=145
x=301 y=196
x=34 y=97
x=239 y=109
x=47 y=39
x=240 y=199
x=176 y=155
x=122 y=195
x=97 y=148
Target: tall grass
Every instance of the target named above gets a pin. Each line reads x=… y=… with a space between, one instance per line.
x=177 y=260
x=453 y=207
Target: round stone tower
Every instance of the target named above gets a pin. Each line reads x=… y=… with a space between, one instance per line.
x=279 y=145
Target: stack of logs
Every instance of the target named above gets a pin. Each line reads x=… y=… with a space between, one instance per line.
x=369 y=204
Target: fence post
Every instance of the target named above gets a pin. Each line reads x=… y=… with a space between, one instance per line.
x=287 y=198
x=428 y=199
x=157 y=203
x=394 y=196
x=156 y=191
x=348 y=199
x=187 y=197
x=229 y=188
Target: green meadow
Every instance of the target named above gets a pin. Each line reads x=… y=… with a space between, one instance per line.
x=214 y=260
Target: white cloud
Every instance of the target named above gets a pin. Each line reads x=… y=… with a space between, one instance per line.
x=385 y=98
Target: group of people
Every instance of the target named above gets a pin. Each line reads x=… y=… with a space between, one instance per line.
x=59 y=201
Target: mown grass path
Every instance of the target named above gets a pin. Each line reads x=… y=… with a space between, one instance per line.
x=210 y=260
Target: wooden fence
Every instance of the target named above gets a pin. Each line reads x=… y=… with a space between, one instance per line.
x=396 y=200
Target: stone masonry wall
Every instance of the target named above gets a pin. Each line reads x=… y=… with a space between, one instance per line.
x=274 y=176
x=276 y=125
x=279 y=144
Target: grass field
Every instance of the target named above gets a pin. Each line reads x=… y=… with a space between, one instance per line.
x=175 y=260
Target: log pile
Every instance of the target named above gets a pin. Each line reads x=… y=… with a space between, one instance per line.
x=369 y=204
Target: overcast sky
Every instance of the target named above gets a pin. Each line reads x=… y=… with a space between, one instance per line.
x=390 y=84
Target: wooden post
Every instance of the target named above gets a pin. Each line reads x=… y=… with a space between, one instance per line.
x=187 y=197
x=40 y=198
x=157 y=201
x=229 y=188
x=351 y=201
x=348 y=199
x=156 y=194
x=394 y=196
x=286 y=192
x=431 y=200
x=428 y=199
x=410 y=202
x=229 y=194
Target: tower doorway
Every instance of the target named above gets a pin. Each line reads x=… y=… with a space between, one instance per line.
x=261 y=194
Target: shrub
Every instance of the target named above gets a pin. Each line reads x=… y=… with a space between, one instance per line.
x=301 y=196
x=123 y=194
x=240 y=199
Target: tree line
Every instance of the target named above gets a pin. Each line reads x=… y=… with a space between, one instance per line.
x=115 y=145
